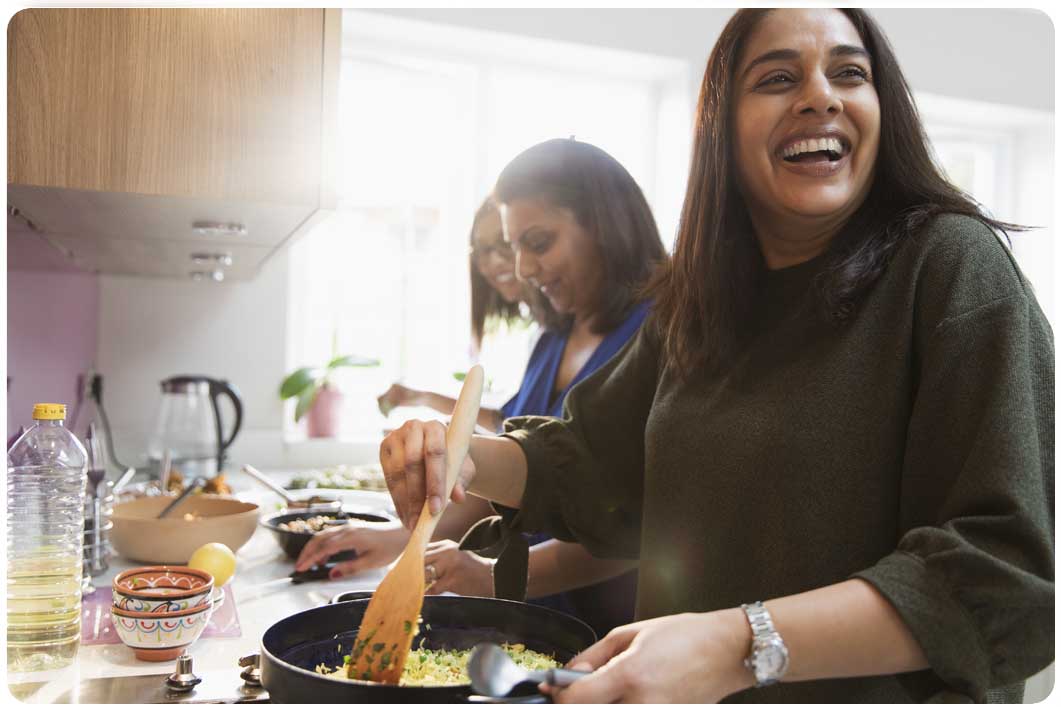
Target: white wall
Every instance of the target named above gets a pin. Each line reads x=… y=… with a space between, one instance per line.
x=151 y=329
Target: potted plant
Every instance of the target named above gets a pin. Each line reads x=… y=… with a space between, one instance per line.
x=318 y=399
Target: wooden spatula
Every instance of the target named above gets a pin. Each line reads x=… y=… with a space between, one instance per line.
x=387 y=629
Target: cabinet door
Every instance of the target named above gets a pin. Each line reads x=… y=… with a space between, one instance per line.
x=211 y=103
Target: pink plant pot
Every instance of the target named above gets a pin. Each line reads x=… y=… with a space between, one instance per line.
x=322 y=418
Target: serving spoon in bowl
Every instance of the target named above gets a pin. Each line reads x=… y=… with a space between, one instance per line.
x=386 y=631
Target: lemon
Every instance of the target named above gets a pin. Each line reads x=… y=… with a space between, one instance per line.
x=217 y=559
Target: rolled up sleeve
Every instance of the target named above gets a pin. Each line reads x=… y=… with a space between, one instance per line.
x=973 y=573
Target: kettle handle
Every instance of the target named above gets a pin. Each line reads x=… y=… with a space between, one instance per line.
x=218 y=388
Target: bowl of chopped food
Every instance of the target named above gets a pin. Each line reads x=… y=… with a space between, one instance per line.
x=307 y=653
x=139 y=534
x=293 y=529
x=368 y=477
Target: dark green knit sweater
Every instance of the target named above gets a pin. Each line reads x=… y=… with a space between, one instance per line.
x=911 y=447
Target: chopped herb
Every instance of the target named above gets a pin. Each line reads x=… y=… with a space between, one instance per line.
x=408 y=626
x=366 y=675
x=377 y=647
x=384 y=661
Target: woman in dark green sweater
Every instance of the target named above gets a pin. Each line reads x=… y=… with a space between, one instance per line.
x=842 y=406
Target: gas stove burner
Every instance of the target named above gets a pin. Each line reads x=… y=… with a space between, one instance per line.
x=183 y=679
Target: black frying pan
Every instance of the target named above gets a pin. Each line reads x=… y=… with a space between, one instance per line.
x=293 y=647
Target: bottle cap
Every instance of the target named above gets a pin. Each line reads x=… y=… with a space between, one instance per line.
x=49 y=411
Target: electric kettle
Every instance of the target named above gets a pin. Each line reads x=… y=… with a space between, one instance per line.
x=189 y=428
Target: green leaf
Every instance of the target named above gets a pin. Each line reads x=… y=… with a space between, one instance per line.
x=358 y=361
x=305 y=399
x=460 y=376
x=297 y=382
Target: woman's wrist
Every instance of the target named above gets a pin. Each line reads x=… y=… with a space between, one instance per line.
x=730 y=637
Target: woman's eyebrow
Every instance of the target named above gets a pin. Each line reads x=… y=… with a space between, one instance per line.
x=792 y=54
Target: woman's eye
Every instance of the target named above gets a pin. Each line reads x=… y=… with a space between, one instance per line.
x=537 y=244
x=774 y=80
x=854 y=72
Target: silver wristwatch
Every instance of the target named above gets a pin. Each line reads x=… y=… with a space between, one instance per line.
x=768 y=659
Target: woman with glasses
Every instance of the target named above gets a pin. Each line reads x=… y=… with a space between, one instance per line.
x=584 y=240
x=497 y=296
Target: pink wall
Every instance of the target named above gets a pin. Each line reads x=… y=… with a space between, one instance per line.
x=52 y=320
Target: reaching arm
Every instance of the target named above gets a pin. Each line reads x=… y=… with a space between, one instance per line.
x=400 y=396
x=556 y=566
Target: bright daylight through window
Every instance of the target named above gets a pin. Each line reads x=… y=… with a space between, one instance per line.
x=424 y=129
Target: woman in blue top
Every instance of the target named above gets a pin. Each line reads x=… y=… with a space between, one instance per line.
x=585 y=240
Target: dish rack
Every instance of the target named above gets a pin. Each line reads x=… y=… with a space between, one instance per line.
x=99 y=507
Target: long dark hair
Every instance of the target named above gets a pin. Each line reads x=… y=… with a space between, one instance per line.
x=705 y=293
x=487 y=303
x=606 y=202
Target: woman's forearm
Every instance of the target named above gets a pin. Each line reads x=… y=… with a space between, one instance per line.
x=458 y=517
x=556 y=566
x=488 y=418
x=500 y=470
x=839 y=631
x=826 y=631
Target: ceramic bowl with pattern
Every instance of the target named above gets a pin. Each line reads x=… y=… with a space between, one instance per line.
x=162 y=589
x=162 y=636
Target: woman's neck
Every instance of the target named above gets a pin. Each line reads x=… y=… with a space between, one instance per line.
x=794 y=240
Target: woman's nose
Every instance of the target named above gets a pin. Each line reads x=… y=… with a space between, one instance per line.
x=817 y=96
x=526 y=266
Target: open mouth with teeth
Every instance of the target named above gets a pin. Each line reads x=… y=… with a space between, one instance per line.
x=828 y=149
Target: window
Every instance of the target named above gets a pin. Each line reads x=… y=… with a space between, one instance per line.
x=429 y=115
x=1002 y=157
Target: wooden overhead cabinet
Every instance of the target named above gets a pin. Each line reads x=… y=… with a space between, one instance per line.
x=132 y=131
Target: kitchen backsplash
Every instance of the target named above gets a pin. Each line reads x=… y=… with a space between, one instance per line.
x=52 y=325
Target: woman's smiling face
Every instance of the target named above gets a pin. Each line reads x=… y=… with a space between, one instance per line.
x=494 y=259
x=807 y=119
x=554 y=254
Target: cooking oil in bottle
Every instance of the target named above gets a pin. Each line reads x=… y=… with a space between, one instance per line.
x=45 y=520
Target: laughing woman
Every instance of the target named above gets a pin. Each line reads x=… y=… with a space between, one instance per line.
x=831 y=445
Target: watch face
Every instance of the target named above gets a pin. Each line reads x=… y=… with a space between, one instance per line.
x=771 y=659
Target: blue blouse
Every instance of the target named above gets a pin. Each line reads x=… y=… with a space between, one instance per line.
x=609 y=603
x=535 y=392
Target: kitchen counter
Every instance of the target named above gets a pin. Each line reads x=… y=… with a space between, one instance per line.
x=259 y=605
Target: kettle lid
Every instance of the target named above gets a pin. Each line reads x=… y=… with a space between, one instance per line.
x=187 y=384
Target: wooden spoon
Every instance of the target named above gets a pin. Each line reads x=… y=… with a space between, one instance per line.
x=390 y=620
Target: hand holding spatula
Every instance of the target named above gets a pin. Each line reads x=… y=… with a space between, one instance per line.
x=387 y=629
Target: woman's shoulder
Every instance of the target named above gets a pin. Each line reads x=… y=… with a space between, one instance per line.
x=966 y=256
x=955 y=265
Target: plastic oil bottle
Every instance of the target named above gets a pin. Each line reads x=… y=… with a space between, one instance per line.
x=46 y=470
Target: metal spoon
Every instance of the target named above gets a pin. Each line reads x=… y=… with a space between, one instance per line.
x=196 y=483
x=494 y=674
x=292 y=502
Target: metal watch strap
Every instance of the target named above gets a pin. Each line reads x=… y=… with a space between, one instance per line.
x=759 y=618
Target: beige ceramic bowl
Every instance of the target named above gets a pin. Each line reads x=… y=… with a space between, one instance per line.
x=139 y=535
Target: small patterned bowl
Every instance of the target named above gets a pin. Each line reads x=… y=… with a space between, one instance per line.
x=161 y=589
x=158 y=637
